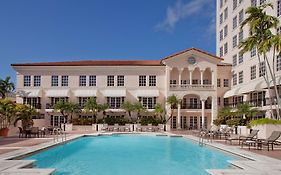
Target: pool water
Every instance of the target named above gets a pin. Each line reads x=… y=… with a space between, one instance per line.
x=131 y=155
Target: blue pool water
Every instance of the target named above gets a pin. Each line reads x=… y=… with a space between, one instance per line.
x=131 y=155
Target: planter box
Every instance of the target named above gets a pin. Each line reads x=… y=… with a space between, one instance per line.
x=68 y=127
x=266 y=130
x=243 y=130
x=82 y=128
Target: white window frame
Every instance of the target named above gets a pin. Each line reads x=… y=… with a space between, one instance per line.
x=92 y=80
x=241 y=77
x=26 y=80
x=110 y=80
x=142 y=80
x=120 y=80
x=64 y=80
x=82 y=80
x=152 y=80
x=55 y=80
x=253 y=71
x=37 y=80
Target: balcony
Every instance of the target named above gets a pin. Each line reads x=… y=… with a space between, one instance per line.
x=183 y=87
x=194 y=106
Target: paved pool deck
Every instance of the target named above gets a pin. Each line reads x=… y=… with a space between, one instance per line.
x=254 y=162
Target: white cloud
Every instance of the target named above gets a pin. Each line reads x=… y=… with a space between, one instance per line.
x=180 y=11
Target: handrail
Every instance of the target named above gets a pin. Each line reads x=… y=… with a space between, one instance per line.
x=57 y=132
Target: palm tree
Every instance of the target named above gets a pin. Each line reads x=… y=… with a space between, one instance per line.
x=138 y=107
x=7 y=112
x=173 y=102
x=62 y=107
x=159 y=111
x=72 y=109
x=91 y=106
x=224 y=114
x=246 y=110
x=261 y=36
x=129 y=108
x=6 y=86
x=102 y=108
x=24 y=114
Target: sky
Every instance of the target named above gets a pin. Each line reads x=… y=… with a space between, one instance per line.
x=68 y=30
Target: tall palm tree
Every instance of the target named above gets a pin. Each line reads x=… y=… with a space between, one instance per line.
x=6 y=86
x=261 y=36
x=129 y=108
x=102 y=108
x=159 y=111
x=138 y=107
x=173 y=102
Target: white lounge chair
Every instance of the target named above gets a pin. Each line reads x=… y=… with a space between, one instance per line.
x=138 y=128
x=116 y=127
x=104 y=127
x=127 y=127
x=149 y=128
x=160 y=127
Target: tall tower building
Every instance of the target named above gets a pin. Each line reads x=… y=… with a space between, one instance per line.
x=247 y=83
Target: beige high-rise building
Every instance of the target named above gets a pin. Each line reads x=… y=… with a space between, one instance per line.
x=247 y=84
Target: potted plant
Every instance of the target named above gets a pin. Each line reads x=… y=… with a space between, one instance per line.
x=7 y=112
x=24 y=114
x=265 y=126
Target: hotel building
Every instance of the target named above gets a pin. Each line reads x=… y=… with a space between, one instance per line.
x=198 y=78
x=247 y=83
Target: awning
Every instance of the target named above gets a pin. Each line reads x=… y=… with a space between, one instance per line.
x=85 y=93
x=278 y=82
x=148 y=93
x=232 y=92
x=114 y=93
x=30 y=93
x=57 y=93
x=255 y=86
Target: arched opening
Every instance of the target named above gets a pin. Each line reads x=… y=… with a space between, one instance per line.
x=174 y=77
x=207 y=76
x=196 y=76
x=185 y=76
x=191 y=101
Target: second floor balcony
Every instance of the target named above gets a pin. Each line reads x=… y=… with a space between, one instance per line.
x=180 y=87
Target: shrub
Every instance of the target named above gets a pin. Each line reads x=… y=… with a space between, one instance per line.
x=264 y=121
x=236 y=122
x=113 y=120
x=83 y=121
x=150 y=120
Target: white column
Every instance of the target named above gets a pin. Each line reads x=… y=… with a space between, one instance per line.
x=213 y=77
x=201 y=75
x=180 y=72
x=179 y=116
x=203 y=113
x=190 y=77
x=214 y=109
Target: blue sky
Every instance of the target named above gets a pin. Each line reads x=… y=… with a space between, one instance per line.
x=61 y=30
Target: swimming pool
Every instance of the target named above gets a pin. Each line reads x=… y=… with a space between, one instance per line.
x=131 y=154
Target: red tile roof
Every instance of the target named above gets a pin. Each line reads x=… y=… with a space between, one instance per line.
x=190 y=49
x=96 y=63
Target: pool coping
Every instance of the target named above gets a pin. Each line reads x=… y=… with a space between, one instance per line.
x=254 y=163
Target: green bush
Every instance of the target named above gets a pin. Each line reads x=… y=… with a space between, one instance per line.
x=83 y=121
x=150 y=120
x=236 y=122
x=113 y=120
x=264 y=121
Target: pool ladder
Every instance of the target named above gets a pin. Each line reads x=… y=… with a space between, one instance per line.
x=203 y=134
x=59 y=135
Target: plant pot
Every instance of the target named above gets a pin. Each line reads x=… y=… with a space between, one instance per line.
x=4 y=132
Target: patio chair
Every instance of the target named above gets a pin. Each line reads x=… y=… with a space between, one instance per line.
x=160 y=127
x=138 y=128
x=35 y=131
x=43 y=131
x=21 y=132
x=127 y=128
x=250 y=136
x=271 y=140
x=104 y=127
x=116 y=127
x=149 y=128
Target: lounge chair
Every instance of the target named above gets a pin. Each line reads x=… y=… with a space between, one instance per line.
x=149 y=128
x=160 y=127
x=138 y=128
x=104 y=127
x=43 y=132
x=251 y=136
x=116 y=127
x=35 y=131
x=127 y=128
x=271 y=140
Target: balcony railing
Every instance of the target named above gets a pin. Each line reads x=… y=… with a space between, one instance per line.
x=36 y=105
x=179 y=87
x=194 y=106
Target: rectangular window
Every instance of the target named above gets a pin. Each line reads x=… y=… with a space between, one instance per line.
x=234 y=22
x=225 y=102
x=225 y=48
x=278 y=7
x=234 y=4
x=241 y=59
x=240 y=36
x=37 y=80
x=278 y=63
x=234 y=41
x=225 y=31
x=240 y=77
x=219 y=101
x=173 y=81
x=221 y=35
x=225 y=83
x=64 y=80
x=241 y=16
x=234 y=60
x=92 y=80
x=221 y=18
x=253 y=52
x=225 y=13
x=218 y=82
x=115 y=102
x=120 y=80
x=26 y=80
x=148 y=102
x=221 y=51
x=262 y=69
x=253 y=72
x=82 y=80
x=234 y=79
x=142 y=80
x=152 y=80
x=253 y=3
x=110 y=80
x=55 y=80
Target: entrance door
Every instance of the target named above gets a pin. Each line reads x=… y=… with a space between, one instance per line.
x=174 y=122
x=193 y=122
x=183 y=122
